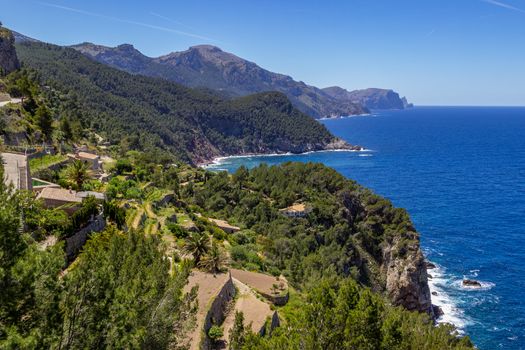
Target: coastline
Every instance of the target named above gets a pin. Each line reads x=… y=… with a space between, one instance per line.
x=346 y=116
x=218 y=160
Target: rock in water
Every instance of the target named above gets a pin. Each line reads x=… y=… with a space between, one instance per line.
x=471 y=283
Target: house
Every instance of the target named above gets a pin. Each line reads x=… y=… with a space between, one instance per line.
x=226 y=227
x=297 y=210
x=90 y=158
x=57 y=197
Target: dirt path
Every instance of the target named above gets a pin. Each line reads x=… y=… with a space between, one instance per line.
x=138 y=218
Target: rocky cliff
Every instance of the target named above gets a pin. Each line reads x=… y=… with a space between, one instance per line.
x=406 y=274
x=8 y=59
x=372 y=98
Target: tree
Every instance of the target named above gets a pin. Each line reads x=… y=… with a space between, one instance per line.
x=214 y=260
x=44 y=121
x=65 y=127
x=121 y=295
x=77 y=173
x=197 y=245
x=29 y=285
x=215 y=333
x=237 y=333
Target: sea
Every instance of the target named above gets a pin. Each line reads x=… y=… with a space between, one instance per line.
x=460 y=173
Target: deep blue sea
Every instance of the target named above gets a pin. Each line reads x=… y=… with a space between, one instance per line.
x=460 y=172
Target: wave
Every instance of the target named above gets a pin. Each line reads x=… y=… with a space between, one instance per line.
x=451 y=312
x=217 y=161
x=347 y=116
x=484 y=285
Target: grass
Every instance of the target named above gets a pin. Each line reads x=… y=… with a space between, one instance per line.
x=46 y=161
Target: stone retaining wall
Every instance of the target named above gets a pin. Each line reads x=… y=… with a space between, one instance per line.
x=75 y=242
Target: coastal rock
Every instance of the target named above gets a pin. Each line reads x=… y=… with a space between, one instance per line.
x=430 y=265
x=339 y=144
x=471 y=283
x=406 y=274
x=438 y=311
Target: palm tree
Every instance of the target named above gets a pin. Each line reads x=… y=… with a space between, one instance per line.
x=196 y=244
x=215 y=260
x=77 y=173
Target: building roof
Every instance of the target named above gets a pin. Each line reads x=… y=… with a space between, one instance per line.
x=223 y=224
x=86 y=194
x=87 y=155
x=60 y=194
x=298 y=208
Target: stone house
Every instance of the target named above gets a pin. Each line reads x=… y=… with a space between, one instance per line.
x=90 y=158
x=58 y=197
x=297 y=210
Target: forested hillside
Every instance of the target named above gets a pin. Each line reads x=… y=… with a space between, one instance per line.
x=146 y=113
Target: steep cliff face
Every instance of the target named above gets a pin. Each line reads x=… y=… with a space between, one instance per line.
x=391 y=255
x=372 y=98
x=8 y=59
x=406 y=275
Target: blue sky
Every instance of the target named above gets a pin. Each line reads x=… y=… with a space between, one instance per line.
x=448 y=52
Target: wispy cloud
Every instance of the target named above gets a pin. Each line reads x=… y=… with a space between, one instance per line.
x=504 y=5
x=170 y=20
x=122 y=20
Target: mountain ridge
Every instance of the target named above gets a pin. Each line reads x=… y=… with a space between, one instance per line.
x=154 y=113
x=208 y=66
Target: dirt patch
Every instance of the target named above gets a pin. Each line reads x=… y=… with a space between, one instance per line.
x=273 y=288
x=255 y=311
x=209 y=287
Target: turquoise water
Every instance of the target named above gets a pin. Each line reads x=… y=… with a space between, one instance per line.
x=460 y=172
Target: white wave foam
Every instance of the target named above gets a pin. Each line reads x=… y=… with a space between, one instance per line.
x=365 y=155
x=217 y=161
x=347 y=116
x=484 y=285
x=452 y=313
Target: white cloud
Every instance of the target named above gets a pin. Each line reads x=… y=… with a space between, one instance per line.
x=504 y=5
x=116 y=19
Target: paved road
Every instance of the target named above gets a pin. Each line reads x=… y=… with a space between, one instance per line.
x=16 y=170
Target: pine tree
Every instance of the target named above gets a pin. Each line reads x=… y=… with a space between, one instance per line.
x=237 y=333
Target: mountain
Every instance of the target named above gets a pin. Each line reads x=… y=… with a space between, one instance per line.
x=8 y=59
x=150 y=113
x=21 y=38
x=207 y=66
x=371 y=98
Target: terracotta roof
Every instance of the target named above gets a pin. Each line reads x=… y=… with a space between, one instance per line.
x=86 y=155
x=60 y=194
